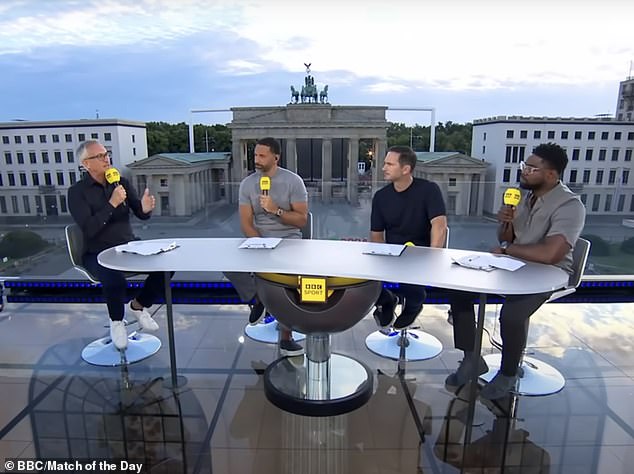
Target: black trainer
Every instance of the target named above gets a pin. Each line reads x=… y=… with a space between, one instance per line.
x=406 y=318
x=257 y=313
x=290 y=348
x=384 y=312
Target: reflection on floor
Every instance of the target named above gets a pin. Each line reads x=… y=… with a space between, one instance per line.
x=56 y=406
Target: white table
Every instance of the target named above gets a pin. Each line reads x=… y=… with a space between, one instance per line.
x=416 y=265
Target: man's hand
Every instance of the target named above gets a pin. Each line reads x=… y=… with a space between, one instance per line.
x=118 y=196
x=506 y=213
x=497 y=250
x=267 y=204
x=147 y=202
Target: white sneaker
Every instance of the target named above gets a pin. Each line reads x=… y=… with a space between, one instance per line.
x=119 y=334
x=144 y=318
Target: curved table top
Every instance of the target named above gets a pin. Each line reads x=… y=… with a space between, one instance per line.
x=417 y=265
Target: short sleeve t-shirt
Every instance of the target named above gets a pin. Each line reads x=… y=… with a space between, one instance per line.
x=406 y=216
x=286 y=188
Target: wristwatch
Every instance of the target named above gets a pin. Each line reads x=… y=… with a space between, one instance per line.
x=504 y=245
x=279 y=212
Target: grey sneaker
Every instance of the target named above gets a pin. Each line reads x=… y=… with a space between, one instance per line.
x=290 y=348
x=499 y=386
x=462 y=375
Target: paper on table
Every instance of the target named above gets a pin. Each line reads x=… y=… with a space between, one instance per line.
x=147 y=248
x=260 y=243
x=488 y=262
x=375 y=248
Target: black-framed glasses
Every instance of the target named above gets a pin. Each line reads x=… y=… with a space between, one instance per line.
x=100 y=156
x=528 y=169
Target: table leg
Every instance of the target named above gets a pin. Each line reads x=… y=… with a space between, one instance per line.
x=175 y=380
x=475 y=375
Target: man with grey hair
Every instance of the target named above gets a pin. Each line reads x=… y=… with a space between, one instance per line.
x=102 y=211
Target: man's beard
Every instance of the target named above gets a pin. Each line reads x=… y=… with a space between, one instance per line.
x=525 y=185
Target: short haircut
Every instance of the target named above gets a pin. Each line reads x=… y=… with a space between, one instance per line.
x=272 y=143
x=81 y=149
x=406 y=156
x=554 y=155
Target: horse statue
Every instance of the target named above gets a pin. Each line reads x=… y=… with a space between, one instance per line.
x=294 y=95
x=323 y=95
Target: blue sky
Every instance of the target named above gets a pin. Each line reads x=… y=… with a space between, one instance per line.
x=157 y=59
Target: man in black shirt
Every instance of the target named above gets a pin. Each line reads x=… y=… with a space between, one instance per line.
x=102 y=211
x=407 y=209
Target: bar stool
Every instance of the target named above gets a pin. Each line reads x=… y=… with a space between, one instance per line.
x=267 y=330
x=537 y=378
x=102 y=352
x=406 y=344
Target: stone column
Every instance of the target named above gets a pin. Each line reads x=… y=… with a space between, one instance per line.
x=238 y=168
x=353 y=174
x=291 y=155
x=326 y=170
x=480 y=194
x=379 y=149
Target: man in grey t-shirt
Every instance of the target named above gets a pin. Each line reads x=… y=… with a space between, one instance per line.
x=279 y=211
x=544 y=228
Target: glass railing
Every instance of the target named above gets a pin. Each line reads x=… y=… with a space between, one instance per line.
x=33 y=245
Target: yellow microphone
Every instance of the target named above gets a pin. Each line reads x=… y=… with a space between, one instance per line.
x=265 y=185
x=512 y=197
x=113 y=177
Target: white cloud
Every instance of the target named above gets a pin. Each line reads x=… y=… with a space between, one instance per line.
x=386 y=87
x=240 y=67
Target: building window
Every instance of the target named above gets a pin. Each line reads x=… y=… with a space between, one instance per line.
x=517 y=175
x=42 y=138
x=599 y=179
x=507 y=158
x=573 y=176
x=27 y=204
x=564 y=134
x=134 y=151
x=55 y=138
x=586 y=176
x=628 y=155
x=584 y=198
x=133 y=139
x=62 y=203
x=7 y=158
x=20 y=157
x=452 y=181
x=47 y=179
x=11 y=179
x=615 y=154
x=625 y=177
x=589 y=154
x=630 y=135
x=58 y=156
x=163 y=182
x=29 y=139
x=68 y=138
x=38 y=204
x=602 y=154
x=14 y=204
x=72 y=176
x=596 y=200
x=612 y=177
x=620 y=204
x=23 y=179
x=551 y=134
x=81 y=137
x=17 y=139
x=617 y=135
x=537 y=134
x=605 y=135
x=3 y=204
x=107 y=136
x=523 y=133
x=45 y=157
x=5 y=139
x=70 y=157
x=484 y=149
x=608 y=203
x=577 y=135
x=94 y=136
x=60 y=178
x=1 y=183
x=591 y=135
x=575 y=154
x=506 y=175
x=35 y=178
x=509 y=134
x=32 y=157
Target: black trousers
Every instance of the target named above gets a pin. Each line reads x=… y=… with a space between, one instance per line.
x=514 y=318
x=114 y=287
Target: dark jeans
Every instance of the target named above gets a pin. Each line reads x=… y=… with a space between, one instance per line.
x=114 y=287
x=414 y=297
x=514 y=317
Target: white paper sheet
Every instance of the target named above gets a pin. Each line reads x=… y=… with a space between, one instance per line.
x=260 y=243
x=147 y=248
x=375 y=248
x=489 y=262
